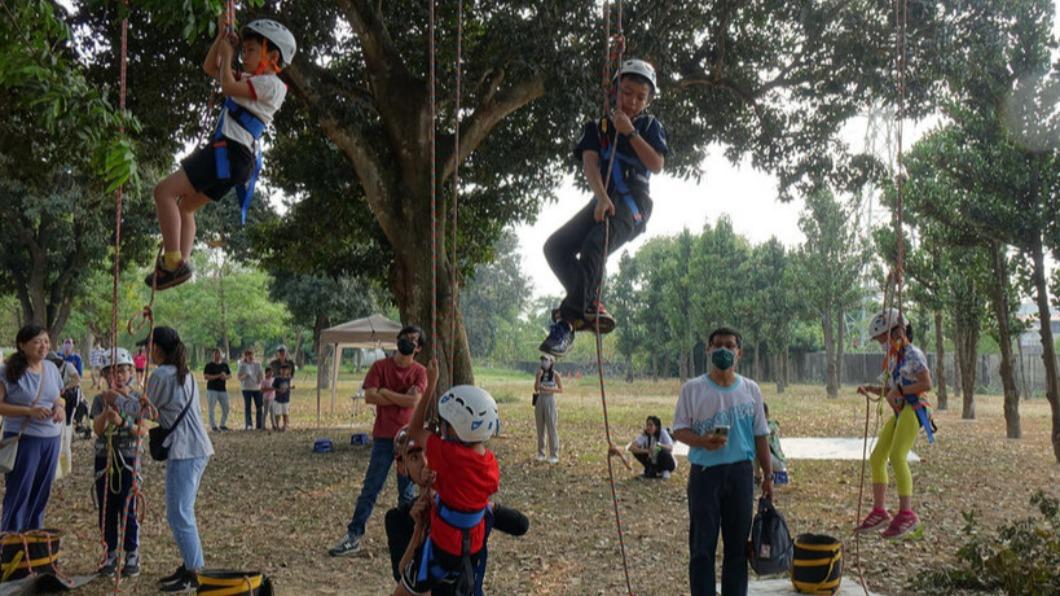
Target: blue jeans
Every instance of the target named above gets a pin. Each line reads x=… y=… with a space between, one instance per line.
x=28 y=486
x=719 y=496
x=182 y=486
x=378 y=469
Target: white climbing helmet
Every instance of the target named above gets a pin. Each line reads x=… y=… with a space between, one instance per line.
x=638 y=67
x=279 y=35
x=123 y=358
x=471 y=412
x=886 y=320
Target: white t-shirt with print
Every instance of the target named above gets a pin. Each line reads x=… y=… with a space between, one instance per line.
x=268 y=93
x=704 y=405
x=910 y=362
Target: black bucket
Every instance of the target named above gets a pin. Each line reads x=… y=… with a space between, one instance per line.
x=817 y=566
x=23 y=553
x=225 y=582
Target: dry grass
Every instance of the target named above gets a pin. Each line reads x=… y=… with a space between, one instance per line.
x=269 y=503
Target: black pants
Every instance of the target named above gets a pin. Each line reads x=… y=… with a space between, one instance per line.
x=663 y=463
x=254 y=396
x=575 y=251
x=719 y=496
x=117 y=489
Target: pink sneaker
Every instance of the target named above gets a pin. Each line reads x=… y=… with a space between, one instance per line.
x=877 y=518
x=902 y=524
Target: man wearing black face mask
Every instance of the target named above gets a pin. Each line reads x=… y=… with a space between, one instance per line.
x=393 y=385
x=721 y=417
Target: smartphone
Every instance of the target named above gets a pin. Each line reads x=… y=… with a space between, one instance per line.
x=722 y=430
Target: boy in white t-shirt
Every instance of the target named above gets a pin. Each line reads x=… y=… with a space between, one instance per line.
x=720 y=416
x=228 y=160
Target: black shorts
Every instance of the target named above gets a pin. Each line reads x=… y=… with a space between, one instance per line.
x=201 y=169
x=410 y=574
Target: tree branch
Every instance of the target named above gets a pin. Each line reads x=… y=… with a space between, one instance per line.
x=366 y=162
x=494 y=109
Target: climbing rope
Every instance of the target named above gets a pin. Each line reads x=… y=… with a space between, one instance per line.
x=434 y=174
x=614 y=47
x=894 y=285
x=454 y=268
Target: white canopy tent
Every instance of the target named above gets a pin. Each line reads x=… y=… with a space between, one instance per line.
x=375 y=331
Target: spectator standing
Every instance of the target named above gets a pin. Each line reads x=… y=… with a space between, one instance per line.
x=217 y=374
x=250 y=378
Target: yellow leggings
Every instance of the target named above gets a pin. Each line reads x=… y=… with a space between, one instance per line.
x=895 y=440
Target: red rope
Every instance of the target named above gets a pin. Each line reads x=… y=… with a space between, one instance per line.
x=434 y=198
x=454 y=266
x=897 y=277
x=613 y=51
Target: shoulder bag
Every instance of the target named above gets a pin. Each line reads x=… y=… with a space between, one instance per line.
x=156 y=437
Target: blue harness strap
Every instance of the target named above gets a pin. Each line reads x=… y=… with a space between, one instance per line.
x=464 y=521
x=618 y=178
x=255 y=127
x=914 y=401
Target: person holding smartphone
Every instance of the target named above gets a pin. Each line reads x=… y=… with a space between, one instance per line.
x=720 y=416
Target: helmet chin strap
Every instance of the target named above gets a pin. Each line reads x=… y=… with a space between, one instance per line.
x=264 y=62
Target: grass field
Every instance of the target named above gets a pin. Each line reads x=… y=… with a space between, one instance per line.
x=269 y=503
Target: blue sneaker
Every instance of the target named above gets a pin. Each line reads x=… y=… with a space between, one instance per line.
x=559 y=341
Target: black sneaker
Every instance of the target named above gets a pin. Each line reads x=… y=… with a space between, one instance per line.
x=575 y=325
x=109 y=566
x=346 y=547
x=225 y=428
x=172 y=577
x=559 y=341
x=189 y=582
x=168 y=279
x=597 y=312
x=132 y=565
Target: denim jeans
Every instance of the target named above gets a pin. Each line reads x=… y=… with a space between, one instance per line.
x=378 y=469
x=182 y=486
x=217 y=397
x=722 y=496
x=254 y=396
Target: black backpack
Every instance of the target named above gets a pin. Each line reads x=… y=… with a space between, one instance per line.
x=770 y=545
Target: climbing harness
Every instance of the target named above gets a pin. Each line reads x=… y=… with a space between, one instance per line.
x=236 y=114
x=468 y=578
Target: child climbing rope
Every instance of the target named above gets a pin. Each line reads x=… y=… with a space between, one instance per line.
x=117 y=423
x=575 y=251
x=465 y=475
x=232 y=157
x=908 y=379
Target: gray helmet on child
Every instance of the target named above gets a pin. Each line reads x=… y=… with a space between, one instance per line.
x=279 y=35
x=641 y=68
x=123 y=358
x=886 y=320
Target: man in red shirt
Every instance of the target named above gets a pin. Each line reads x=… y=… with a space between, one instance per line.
x=393 y=385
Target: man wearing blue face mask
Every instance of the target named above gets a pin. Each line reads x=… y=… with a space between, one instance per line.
x=720 y=416
x=394 y=386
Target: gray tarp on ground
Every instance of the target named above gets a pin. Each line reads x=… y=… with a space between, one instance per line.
x=375 y=331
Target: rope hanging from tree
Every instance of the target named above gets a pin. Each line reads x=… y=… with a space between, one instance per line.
x=893 y=287
x=614 y=48
x=454 y=267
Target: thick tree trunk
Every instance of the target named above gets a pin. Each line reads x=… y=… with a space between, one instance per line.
x=682 y=366
x=1026 y=392
x=967 y=341
x=1052 y=390
x=830 y=371
x=999 y=300
x=940 y=363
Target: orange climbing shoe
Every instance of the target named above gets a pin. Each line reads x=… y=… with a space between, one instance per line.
x=597 y=312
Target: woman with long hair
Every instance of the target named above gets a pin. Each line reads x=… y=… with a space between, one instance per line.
x=33 y=412
x=654 y=448
x=171 y=389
